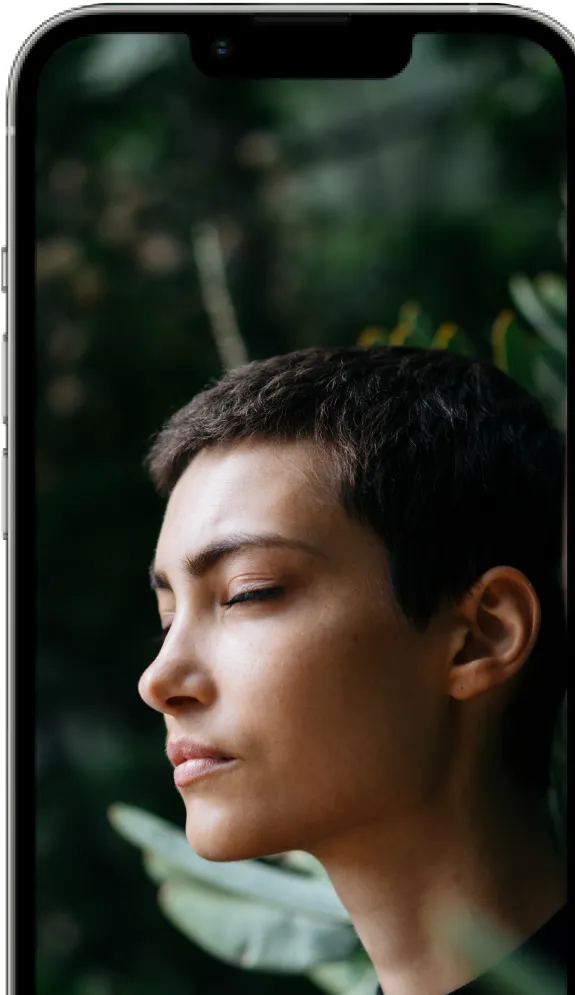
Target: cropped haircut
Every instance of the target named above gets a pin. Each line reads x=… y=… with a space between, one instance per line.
x=451 y=463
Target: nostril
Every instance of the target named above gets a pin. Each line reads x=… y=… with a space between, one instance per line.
x=176 y=701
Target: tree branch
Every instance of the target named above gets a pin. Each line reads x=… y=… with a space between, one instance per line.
x=216 y=297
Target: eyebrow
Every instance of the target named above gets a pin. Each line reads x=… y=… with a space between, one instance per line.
x=198 y=564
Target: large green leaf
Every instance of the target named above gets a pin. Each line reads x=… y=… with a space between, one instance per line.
x=354 y=976
x=161 y=871
x=253 y=934
x=248 y=878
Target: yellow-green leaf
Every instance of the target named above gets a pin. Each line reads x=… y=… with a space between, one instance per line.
x=451 y=338
x=514 y=350
x=400 y=333
x=373 y=335
x=414 y=328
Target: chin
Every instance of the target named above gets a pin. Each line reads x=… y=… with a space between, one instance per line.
x=221 y=852
x=223 y=839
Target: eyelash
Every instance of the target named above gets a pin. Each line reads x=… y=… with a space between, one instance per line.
x=257 y=594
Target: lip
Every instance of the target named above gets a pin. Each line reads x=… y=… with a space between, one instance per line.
x=191 y=770
x=185 y=749
x=192 y=760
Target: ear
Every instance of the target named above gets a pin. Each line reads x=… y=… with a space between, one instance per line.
x=501 y=617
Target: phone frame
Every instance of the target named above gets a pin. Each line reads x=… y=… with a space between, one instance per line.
x=12 y=274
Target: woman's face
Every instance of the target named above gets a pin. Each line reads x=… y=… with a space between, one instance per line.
x=330 y=703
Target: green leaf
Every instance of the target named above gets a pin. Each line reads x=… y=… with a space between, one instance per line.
x=373 y=335
x=248 y=878
x=413 y=328
x=552 y=290
x=451 y=338
x=532 y=307
x=355 y=976
x=251 y=934
x=160 y=870
x=302 y=861
x=514 y=351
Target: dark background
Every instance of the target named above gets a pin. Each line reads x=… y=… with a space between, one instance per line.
x=335 y=202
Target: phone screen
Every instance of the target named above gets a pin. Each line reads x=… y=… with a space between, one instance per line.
x=190 y=223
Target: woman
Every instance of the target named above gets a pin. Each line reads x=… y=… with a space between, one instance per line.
x=357 y=574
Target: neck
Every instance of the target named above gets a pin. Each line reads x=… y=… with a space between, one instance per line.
x=496 y=859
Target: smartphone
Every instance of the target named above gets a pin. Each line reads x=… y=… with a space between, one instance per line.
x=219 y=216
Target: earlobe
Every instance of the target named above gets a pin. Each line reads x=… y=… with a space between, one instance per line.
x=501 y=618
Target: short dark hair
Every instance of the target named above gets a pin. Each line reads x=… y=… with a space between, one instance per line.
x=453 y=465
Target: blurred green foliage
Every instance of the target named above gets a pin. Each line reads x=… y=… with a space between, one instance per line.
x=531 y=347
x=283 y=915
x=286 y=918
x=334 y=203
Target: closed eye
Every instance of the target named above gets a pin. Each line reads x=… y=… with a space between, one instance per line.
x=257 y=594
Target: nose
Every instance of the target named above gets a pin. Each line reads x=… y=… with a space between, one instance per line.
x=174 y=678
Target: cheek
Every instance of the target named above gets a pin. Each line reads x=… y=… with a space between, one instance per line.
x=326 y=686
x=330 y=726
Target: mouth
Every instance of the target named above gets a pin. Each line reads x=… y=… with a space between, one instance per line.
x=180 y=750
x=190 y=770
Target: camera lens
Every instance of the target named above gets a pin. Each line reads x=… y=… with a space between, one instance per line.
x=222 y=48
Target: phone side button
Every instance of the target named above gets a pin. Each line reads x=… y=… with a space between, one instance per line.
x=4 y=270
x=4 y=379
x=3 y=493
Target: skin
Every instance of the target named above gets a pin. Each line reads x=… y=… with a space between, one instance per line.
x=357 y=739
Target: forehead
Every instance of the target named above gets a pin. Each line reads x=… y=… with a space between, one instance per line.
x=253 y=485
